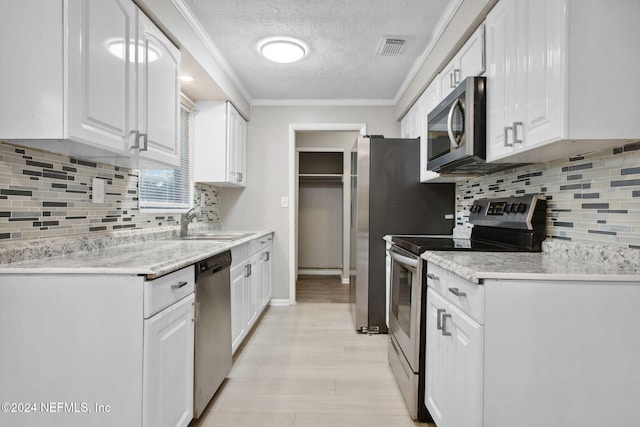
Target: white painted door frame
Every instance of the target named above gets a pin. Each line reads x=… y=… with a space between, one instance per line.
x=293 y=179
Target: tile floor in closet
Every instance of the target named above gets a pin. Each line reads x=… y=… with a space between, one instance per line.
x=305 y=366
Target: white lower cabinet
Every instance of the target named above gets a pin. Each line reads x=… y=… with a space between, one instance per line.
x=238 y=324
x=531 y=353
x=97 y=350
x=250 y=285
x=168 y=366
x=453 y=365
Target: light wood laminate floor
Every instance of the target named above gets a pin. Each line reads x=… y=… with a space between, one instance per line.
x=305 y=366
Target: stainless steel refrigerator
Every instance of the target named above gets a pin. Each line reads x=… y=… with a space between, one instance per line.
x=388 y=198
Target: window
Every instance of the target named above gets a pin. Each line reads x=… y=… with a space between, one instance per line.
x=169 y=189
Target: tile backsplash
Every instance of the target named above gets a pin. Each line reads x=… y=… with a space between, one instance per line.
x=44 y=195
x=592 y=198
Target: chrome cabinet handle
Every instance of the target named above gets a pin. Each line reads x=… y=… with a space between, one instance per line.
x=145 y=138
x=247 y=270
x=515 y=132
x=506 y=136
x=179 y=285
x=439 y=315
x=456 y=77
x=267 y=256
x=432 y=276
x=457 y=293
x=444 y=325
x=239 y=175
x=136 y=139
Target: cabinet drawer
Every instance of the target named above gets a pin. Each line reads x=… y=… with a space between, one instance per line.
x=239 y=254
x=468 y=296
x=260 y=243
x=165 y=290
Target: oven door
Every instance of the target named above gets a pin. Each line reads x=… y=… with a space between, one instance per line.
x=404 y=307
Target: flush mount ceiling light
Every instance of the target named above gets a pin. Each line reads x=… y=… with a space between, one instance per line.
x=282 y=49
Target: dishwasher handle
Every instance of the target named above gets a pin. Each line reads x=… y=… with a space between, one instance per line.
x=213 y=265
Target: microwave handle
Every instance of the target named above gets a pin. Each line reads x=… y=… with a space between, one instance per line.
x=454 y=144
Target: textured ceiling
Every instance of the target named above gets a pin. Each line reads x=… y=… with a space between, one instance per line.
x=342 y=36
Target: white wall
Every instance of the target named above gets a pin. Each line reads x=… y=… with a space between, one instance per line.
x=258 y=205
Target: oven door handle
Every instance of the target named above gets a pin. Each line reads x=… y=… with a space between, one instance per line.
x=402 y=259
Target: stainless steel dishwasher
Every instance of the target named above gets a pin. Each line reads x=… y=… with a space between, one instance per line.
x=212 y=329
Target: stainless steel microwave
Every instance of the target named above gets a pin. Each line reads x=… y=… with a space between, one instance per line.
x=457 y=130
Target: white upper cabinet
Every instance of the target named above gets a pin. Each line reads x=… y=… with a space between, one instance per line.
x=469 y=61
x=158 y=94
x=220 y=144
x=100 y=81
x=549 y=78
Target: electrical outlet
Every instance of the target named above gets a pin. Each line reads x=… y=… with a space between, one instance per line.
x=202 y=197
x=284 y=202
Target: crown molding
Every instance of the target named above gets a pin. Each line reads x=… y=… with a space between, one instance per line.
x=442 y=24
x=323 y=103
x=195 y=25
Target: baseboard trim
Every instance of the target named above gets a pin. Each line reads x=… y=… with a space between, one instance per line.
x=320 y=271
x=279 y=302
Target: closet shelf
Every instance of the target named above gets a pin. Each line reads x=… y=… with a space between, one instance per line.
x=320 y=177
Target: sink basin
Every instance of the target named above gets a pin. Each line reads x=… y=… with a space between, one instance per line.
x=217 y=236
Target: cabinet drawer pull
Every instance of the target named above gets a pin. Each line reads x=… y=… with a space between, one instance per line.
x=457 y=293
x=432 y=277
x=179 y=285
x=445 y=316
x=439 y=316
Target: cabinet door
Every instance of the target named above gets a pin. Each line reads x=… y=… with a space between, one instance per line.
x=168 y=366
x=438 y=380
x=471 y=55
x=241 y=152
x=158 y=94
x=266 y=276
x=500 y=31
x=238 y=325
x=449 y=77
x=101 y=73
x=540 y=109
x=254 y=290
x=466 y=368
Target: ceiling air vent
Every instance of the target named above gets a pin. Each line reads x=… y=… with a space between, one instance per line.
x=390 y=46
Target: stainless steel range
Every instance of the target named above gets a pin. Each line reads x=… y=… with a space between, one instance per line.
x=515 y=224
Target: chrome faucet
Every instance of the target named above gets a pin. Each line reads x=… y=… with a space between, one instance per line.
x=185 y=219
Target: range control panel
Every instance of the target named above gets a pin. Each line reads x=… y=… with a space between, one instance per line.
x=509 y=212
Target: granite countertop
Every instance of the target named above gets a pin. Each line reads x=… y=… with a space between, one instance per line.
x=558 y=261
x=153 y=257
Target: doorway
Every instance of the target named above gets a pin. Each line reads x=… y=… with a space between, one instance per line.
x=320 y=138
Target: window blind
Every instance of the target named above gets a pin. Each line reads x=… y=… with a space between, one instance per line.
x=169 y=189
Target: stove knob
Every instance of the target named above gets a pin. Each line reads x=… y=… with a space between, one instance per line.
x=507 y=208
x=522 y=207
x=514 y=207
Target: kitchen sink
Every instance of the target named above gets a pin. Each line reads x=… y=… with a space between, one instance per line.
x=216 y=236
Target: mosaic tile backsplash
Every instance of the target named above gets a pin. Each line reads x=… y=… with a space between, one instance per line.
x=46 y=195
x=592 y=198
